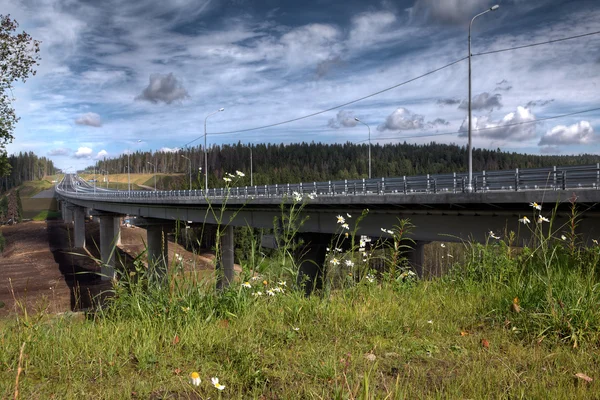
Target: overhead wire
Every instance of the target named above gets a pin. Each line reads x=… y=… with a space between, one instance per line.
x=396 y=86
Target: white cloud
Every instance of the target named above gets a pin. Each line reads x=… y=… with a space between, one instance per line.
x=343 y=119
x=401 y=120
x=101 y=154
x=89 y=119
x=83 y=152
x=579 y=133
x=446 y=11
x=165 y=88
x=368 y=27
x=169 y=150
x=515 y=126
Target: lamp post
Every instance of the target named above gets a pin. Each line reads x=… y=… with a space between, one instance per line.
x=470 y=145
x=154 y=174
x=205 y=152
x=251 y=180
x=190 y=170
x=369 y=128
x=128 y=174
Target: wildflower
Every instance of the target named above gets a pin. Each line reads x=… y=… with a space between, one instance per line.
x=349 y=263
x=345 y=226
x=493 y=236
x=348 y=215
x=328 y=249
x=226 y=179
x=450 y=255
x=391 y=232
x=265 y=282
x=246 y=285
x=229 y=174
x=443 y=245
x=536 y=206
x=277 y=289
x=370 y=278
x=216 y=384
x=312 y=195
x=297 y=196
x=195 y=378
x=296 y=328
x=334 y=261
x=338 y=249
x=282 y=283
x=346 y=234
x=361 y=249
x=185 y=309
x=563 y=237
x=524 y=220
x=595 y=241
x=430 y=321
x=340 y=220
x=255 y=278
x=270 y=292
x=257 y=294
x=239 y=173
x=542 y=219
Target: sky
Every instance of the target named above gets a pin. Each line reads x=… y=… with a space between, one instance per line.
x=120 y=76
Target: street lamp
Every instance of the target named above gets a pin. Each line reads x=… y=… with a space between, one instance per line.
x=190 y=170
x=128 y=174
x=369 y=128
x=154 y=174
x=251 y=180
x=205 y=153
x=470 y=146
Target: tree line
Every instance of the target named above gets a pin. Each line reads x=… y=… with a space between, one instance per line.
x=25 y=167
x=307 y=162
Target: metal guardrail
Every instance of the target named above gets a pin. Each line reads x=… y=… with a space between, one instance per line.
x=553 y=178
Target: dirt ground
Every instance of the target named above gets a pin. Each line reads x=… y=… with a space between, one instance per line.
x=39 y=269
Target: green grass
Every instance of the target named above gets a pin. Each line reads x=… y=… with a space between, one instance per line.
x=47 y=215
x=501 y=324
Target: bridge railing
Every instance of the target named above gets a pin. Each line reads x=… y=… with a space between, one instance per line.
x=552 y=178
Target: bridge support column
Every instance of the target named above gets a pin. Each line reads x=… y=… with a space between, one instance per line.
x=311 y=261
x=67 y=213
x=225 y=264
x=78 y=226
x=416 y=257
x=117 y=230
x=107 y=245
x=158 y=246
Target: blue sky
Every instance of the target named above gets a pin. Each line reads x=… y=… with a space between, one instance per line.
x=125 y=75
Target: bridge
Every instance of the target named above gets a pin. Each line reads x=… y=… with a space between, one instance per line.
x=439 y=206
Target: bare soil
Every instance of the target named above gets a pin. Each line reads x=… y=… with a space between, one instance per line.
x=40 y=271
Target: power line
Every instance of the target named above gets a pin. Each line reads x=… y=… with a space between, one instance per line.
x=485 y=129
x=536 y=44
x=338 y=106
x=395 y=86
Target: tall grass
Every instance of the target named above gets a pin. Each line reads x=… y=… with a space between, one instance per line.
x=506 y=323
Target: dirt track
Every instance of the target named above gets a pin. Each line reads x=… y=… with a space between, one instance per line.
x=41 y=270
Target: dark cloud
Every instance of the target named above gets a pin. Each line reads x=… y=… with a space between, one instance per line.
x=401 y=120
x=503 y=85
x=59 y=152
x=165 y=88
x=447 y=102
x=483 y=101
x=437 y=122
x=89 y=119
x=325 y=66
x=579 y=133
x=534 y=103
x=343 y=119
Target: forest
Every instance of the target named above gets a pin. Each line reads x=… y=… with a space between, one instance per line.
x=26 y=167
x=307 y=162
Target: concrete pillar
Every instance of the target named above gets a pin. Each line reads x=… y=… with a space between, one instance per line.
x=416 y=257
x=225 y=263
x=158 y=255
x=311 y=260
x=67 y=213
x=78 y=226
x=107 y=246
x=117 y=231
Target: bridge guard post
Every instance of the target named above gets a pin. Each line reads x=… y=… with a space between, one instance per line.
x=78 y=226
x=311 y=260
x=224 y=265
x=416 y=257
